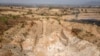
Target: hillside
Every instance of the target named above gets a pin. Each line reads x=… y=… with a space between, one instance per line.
x=49 y=31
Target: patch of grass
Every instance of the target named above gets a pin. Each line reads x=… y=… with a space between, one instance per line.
x=3 y=19
x=13 y=16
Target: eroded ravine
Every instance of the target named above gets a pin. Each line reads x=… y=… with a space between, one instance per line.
x=46 y=38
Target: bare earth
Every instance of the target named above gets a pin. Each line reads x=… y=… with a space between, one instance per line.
x=49 y=31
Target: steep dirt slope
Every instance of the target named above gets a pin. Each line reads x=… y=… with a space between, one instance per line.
x=49 y=38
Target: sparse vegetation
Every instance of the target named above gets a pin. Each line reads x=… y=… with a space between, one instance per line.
x=30 y=12
x=7 y=21
x=25 y=30
x=76 y=12
x=3 y=19
x=15 y=16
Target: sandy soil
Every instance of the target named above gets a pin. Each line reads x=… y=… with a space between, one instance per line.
x=49 y=31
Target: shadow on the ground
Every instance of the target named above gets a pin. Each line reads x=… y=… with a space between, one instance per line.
x=87 y=21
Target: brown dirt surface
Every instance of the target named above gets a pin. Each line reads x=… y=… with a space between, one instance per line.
x=49 y=32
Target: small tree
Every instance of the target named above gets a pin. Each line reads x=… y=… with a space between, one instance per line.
x=76 y=12
x=85 y=11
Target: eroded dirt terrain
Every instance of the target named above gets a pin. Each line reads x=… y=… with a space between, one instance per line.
x=49 y=32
